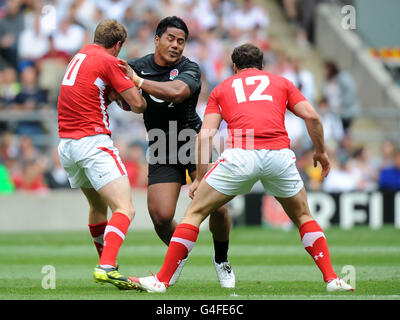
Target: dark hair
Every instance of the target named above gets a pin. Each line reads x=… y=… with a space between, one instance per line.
x=108 y=32
x=248 y=56
x=332 y=69
x=171 y=22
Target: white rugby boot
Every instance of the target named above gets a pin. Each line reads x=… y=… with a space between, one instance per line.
x=338 y=284
x=225 y=274
x=149 y=284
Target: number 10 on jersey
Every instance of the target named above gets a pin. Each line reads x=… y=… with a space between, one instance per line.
x=257 y=94
x=72 y=70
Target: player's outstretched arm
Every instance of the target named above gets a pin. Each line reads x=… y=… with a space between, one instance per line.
x=135 y=100
x=174 y=91
x=306 y=111
x=170 y=91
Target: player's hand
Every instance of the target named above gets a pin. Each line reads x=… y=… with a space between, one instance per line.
x=193 y=187
x=322 y=158
x=126 y=68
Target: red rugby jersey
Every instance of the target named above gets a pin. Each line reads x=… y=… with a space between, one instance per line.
x=91 y=74
x=253 y=103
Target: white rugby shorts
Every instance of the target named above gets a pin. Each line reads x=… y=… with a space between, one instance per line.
x=237 y=170
x=91 y=162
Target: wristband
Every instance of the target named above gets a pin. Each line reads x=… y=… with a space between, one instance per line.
x=140 y=83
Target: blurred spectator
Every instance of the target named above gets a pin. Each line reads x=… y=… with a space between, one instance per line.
x=11 y=25
x=8 y=149
x=69 y=37
x=55 y=176
x=113 y=9
x=281 y=65
x=362 y=167
x=385 y=158
x=31 y=96
x=248 y=17
x=87 y=13
x=345 y=149
x=340 y=91
x=51 y=68
x=205 y=15
x=297 y=132
x=175 y=8
x=132 y=156
x=143 y=43
x=331 y=122
x=30 y=176
x=342 y=177
x=302 y=78
x=311 y=175
x=9 y=87
x=301 y=13
x=136 y=166
x=33 y=43
x=389 y=178
x=27 y=150
x=132 y=23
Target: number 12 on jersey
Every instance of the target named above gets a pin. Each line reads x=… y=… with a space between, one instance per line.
x=257 y=94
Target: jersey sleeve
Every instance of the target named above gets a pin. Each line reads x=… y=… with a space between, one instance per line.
x=116 y=78
x=191 y=75
x=212 y=104
x=294 y=96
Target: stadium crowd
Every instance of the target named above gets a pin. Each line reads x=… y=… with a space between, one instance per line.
x=38 y=38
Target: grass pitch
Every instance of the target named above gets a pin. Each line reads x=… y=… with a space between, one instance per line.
x=268 y=264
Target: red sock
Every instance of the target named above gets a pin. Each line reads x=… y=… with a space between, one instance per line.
x=314 y=242
x=181 y=244
x=114 y=236
x=97 y=232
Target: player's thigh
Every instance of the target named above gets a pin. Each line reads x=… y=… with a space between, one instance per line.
x=76 y=174
x=235 y=172
x=280 y=176
x=118 y=196
x=98 y=207
x=102 y=162
x=296 y=207
x=206 y=200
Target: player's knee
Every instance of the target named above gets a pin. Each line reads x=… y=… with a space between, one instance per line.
x=161 y=218
x=129 y=211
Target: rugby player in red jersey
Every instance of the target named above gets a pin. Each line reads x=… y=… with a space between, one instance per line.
x=86 y=150
x=253 y=102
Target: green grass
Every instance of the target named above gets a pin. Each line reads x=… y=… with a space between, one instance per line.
x=268 y=263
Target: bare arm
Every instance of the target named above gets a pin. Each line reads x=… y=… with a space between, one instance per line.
x=135 y=100
x=306 y=111
x=170 y=91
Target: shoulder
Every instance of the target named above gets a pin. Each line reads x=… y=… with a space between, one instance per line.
x=186 y=63
x=141 y=61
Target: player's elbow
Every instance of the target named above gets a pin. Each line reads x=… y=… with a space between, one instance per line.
x=312 y=117
x=139 y=107
x=135 y=100
x=178 y=93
